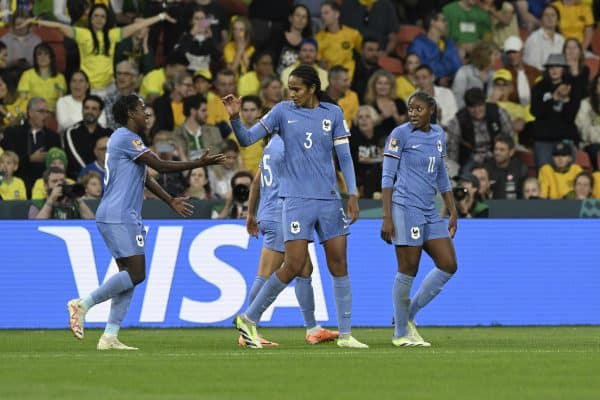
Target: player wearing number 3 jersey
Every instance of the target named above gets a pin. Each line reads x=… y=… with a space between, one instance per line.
x=311 y=129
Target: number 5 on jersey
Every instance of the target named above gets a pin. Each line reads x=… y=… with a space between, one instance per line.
x=266 y=174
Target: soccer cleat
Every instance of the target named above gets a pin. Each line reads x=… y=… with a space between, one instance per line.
x=111 y=342
x=403 y=341
x=323 y=335
x=263 y=341
x=76 y=317
x=413 y=334
x=351 y=343
x=248 y=332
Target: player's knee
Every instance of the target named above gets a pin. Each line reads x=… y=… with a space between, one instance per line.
x=294 y=264
x=449 y=266
x=137 y=277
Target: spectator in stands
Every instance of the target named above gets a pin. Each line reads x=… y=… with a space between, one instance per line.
x=478 y=74
x=238 y=50
x=151 y=128
x=194 y=135
x=339 y=91
x=126 y=81
x=271 y=92
x=224 y=84
x=531 y=189
x=544 y=41
x=307 y=56
x=58 y=205
x=376 y=19
x=31 y=141
x=13 y=108
x=167 y=148
x=503 y=20
x=97 y=42
x=154 y=82
x=197 y=44
x=506 y=171
x=588 y=122
x=262 y=66
x=337 y=42
x=557 y=178
x=554 y=105
x=69 y=108
x=81 y=138
x=576 y=20
x=56 y=157
x=405 y=83
x=583 y=187
x=169 y=107
x=366 y=65
x=136 y=50
x=236 y=200
x=446 y=103
x=366 y=146
x=92 y=184
x=472 y=131
x=98 y=165
x=220 y=176
x=577 y=70
x=436 y=50
x=523 y=76
x=485 y=185
x=43 y=80
x=217 y=13
x=20 y=41
x=287 y=46
x=198 y=187
x=501 y=94
x=381 y=94
x=468 y=202
x=250 y=112
x=11 y=187
x=468 y=24
x=202 y=82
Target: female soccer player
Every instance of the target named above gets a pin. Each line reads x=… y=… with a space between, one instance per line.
x=268 y=221
x=119 y=217
x=310 y=129
x=413 y=168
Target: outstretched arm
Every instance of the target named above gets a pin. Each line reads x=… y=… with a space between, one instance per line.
x=67 y=30
x=246 y=137
x=153 y=161
x=178 y=204
x=130 y=29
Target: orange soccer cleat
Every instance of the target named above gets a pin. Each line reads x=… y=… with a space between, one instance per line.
x=323 y=335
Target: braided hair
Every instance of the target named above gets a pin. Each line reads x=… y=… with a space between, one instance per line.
x=123 y=107
x=309 y=77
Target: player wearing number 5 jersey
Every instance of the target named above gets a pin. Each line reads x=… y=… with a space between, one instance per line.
x=119 y=217
x=311 y=129
x=413 y=170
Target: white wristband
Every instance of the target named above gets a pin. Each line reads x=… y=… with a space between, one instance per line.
x=162 y=16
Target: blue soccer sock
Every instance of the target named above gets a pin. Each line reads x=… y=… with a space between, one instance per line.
x=116 y=284
x=431 y=286
x=265 y=297
x=118 y=308
x=401 y=299
x=306 y=299
x=258 y=283
x=342 y=293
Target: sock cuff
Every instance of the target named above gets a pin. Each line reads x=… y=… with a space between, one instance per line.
x=403 y=278
x=260 y=278
x=303 y=280
x=341 y=281
x=276 y=282
x=445 y=275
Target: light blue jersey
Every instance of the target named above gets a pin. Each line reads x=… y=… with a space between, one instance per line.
x=308 y=135
x=420 y=169
x=271 y=166
x=124 y=180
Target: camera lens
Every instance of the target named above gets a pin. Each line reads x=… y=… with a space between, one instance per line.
x=459 y=193
x=241 y=193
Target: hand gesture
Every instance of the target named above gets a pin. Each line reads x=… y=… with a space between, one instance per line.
x=387 y=230
x=169 y=18
x=56 y=193
x=353 y=209
x=211 y=159
x=27 y=22
x=452 y=224
x=232 y=105
x=181 y=206
x=252 y=225
x=38 y=156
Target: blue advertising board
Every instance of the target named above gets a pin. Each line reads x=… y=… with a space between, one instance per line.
x=511 y=272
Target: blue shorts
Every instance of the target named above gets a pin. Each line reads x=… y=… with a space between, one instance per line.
x=414 y=229
x=123 y=240
x=273 y=235
x=301 y=217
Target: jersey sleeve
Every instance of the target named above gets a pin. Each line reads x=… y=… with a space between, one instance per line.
x=443 y=180
x=132 y=146
x=393 y=144
x=272 y=120
x=340 y=127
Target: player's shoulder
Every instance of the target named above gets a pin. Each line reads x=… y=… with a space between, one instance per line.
x=438 y=131
x=401 y=131
x=330 y=107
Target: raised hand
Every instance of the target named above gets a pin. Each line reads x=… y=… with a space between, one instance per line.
x=211 y=159
x=182 y=207
x=232 y=104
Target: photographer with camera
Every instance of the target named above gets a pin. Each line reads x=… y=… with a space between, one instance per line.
x=467 y=198
x=63 y=202
x=236 y=202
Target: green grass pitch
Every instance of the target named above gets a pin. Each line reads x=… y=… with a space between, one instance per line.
x=464 y=363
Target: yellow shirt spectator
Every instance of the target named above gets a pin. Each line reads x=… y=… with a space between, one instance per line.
x=153 y=83
x=337 y=48
x=178 y=117
x=404 y=87
x=596 y=192
x=98 y=67
x=216 y=110
x=556 y=185
x=38 y=192
x=248 y=84
x=574 y=19
x=50 y=88
x=13 y=189
x=349 y=104
x=15 y=111
x=229 y=55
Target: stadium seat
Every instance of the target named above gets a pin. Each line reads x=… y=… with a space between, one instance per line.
x=52 y=123
x=406 y=35
x=391 y=64
x=596 y=42
x=527 y=158
x=583 y=160
x=593 y=63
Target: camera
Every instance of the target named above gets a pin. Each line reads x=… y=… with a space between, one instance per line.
x=73 y=191
x=460 y=193
x=241 y=193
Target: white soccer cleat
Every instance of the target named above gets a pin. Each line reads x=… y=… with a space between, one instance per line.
x=413 y=334
x=76 y=317
x=351 y=343
x=111 y=342
x=403 y=341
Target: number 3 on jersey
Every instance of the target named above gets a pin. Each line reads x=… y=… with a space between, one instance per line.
x=266 y=174
x=308 y=142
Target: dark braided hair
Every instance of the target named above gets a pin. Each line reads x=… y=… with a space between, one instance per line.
x=427 y=99
x=123 y=107
x=309 y=77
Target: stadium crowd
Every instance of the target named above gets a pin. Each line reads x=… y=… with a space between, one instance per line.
x=516 y=85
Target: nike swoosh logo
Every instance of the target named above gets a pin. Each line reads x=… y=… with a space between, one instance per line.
x=414 y=146
x=291 y=121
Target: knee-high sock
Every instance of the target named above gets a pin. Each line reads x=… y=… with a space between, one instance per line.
x=265 y=297
x=306 y=299
x=401 y=299
x=258 y=283
x=116 y=284
x=118 y=309
x=431 y=286
x=342 y=293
